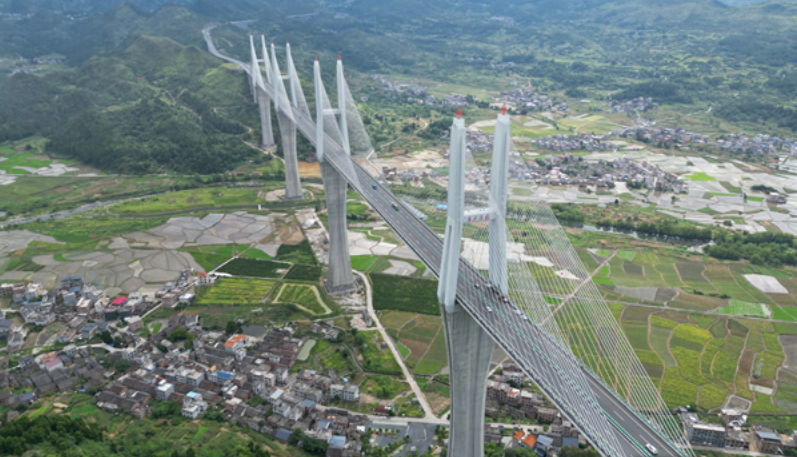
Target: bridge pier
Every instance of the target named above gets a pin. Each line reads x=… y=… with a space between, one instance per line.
x=293 y=184
x=339 y=276
x=469 y=350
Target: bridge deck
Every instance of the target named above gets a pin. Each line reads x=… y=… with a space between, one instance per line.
x=521 y=339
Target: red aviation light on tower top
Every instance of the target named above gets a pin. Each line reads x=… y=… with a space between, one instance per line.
x=316 y=58
x=503 y=109
x=338 y=56
x=459 y=112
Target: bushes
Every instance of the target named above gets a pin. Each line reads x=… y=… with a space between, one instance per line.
x=405 y=294
x=63 y=432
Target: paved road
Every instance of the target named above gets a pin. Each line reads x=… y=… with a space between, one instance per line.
x=428 y=412
x=607 y=422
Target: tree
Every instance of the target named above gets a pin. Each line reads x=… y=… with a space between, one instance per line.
x=106 y=337
x=122 y=365
x=231 y=327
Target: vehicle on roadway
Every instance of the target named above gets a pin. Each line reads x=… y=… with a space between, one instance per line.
x=395 y=206
x=374 y=186
x=652 y=449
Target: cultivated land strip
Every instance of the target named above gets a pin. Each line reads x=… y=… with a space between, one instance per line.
x=416 y=389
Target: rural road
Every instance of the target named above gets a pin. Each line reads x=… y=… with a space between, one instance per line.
x=429 y=414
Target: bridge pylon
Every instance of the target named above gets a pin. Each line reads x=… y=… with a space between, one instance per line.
x=293 y=185
x=499 y=182
x=339 y=277
x=252 y=75
x=263 y=99
x=469 y=347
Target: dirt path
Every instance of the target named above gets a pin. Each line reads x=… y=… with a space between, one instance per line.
x=416 y=389
x=317 y=296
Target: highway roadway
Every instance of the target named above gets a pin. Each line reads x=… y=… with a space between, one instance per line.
x=540 y=355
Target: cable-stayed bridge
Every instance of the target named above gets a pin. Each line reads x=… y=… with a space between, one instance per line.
x=539 y=303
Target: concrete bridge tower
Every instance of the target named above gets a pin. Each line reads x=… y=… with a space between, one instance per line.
x=340 y=277
x=263 y=99
x=293 y=185
x=469 y=346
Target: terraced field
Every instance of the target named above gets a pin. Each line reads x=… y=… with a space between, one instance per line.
x=703 y=359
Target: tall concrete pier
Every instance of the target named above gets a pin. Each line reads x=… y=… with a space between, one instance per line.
x=339 y=277
x=469 y=346
x=293 y=185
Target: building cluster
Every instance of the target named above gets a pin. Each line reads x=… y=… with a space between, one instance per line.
x=506 y=396
x=627 y=106
x=69 y=370
x=247 y=379
x=501 y=65
x=650 y=133
x=731 y=432
x=84 y=308
x=47 y=60
x=567 y=169
x=544 y=444
x=413 y=94
x=523 y=98
x=759 y=144
x=175 y=292
x=575 y=142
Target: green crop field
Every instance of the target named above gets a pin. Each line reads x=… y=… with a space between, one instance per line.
x=741 y=308
x=404 y=350
x=236 y=291
x=405 y=294
x=363 y=262
x=435 y=358
x=20 y=159
x=302 y=295
x=626 y=255
x=189 y=199
x=700 y=177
